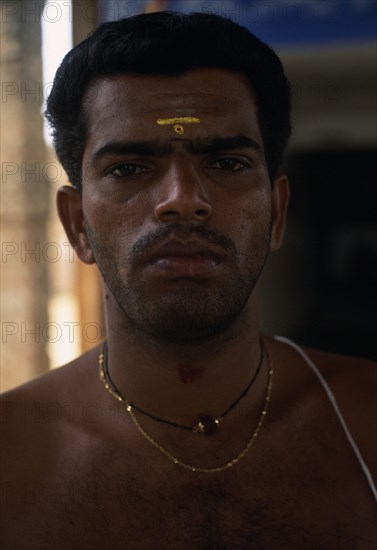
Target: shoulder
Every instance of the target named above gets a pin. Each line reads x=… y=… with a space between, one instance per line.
x=353 y=382
x=58 y=384
x=34 y=414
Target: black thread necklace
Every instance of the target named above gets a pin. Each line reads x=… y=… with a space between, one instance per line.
x=206 y=424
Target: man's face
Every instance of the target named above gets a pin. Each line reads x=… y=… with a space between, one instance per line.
x=177 y=213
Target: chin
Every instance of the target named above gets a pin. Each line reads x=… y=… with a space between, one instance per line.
x=185 y=316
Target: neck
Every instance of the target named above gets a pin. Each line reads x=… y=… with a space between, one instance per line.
x=181 y=380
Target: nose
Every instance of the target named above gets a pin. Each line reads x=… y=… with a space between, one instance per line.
x=182 y=196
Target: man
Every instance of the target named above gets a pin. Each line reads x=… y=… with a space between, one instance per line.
x=186 y=428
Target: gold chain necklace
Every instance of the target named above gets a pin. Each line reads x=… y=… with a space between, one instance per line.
x=207 y=425
x=167 y=453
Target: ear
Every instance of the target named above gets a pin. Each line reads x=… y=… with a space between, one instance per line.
x=279 y=203
x=71 y=215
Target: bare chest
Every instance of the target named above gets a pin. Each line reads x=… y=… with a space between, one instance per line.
x=302 y=488
x=278 y=507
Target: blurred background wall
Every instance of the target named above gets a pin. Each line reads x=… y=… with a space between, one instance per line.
x=319 y=289
x=50 y=302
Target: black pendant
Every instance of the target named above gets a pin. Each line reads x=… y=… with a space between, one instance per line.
x=208 y=425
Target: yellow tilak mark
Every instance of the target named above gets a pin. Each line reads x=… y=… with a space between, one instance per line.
x=178 y=122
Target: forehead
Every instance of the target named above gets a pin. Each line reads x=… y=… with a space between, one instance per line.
x=200 y=87
x=135 y=102
x=213 y=91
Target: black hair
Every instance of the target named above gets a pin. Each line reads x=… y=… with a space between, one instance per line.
x=167 y=43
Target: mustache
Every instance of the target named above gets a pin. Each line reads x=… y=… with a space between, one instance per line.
x=177 y=231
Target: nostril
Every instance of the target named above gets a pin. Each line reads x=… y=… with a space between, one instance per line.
x=170 y=213
x=185 y=206
x=202 y=212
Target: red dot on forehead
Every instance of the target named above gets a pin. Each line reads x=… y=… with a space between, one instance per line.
x=188 y=374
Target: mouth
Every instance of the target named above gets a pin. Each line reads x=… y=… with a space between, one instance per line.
x=191 y=259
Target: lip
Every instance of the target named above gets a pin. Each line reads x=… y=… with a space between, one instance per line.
x=186 y=259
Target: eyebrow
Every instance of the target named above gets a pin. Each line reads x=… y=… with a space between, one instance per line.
x=155 y=148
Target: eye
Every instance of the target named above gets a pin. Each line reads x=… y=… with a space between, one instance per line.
x=229 y=164
x=127 y=170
